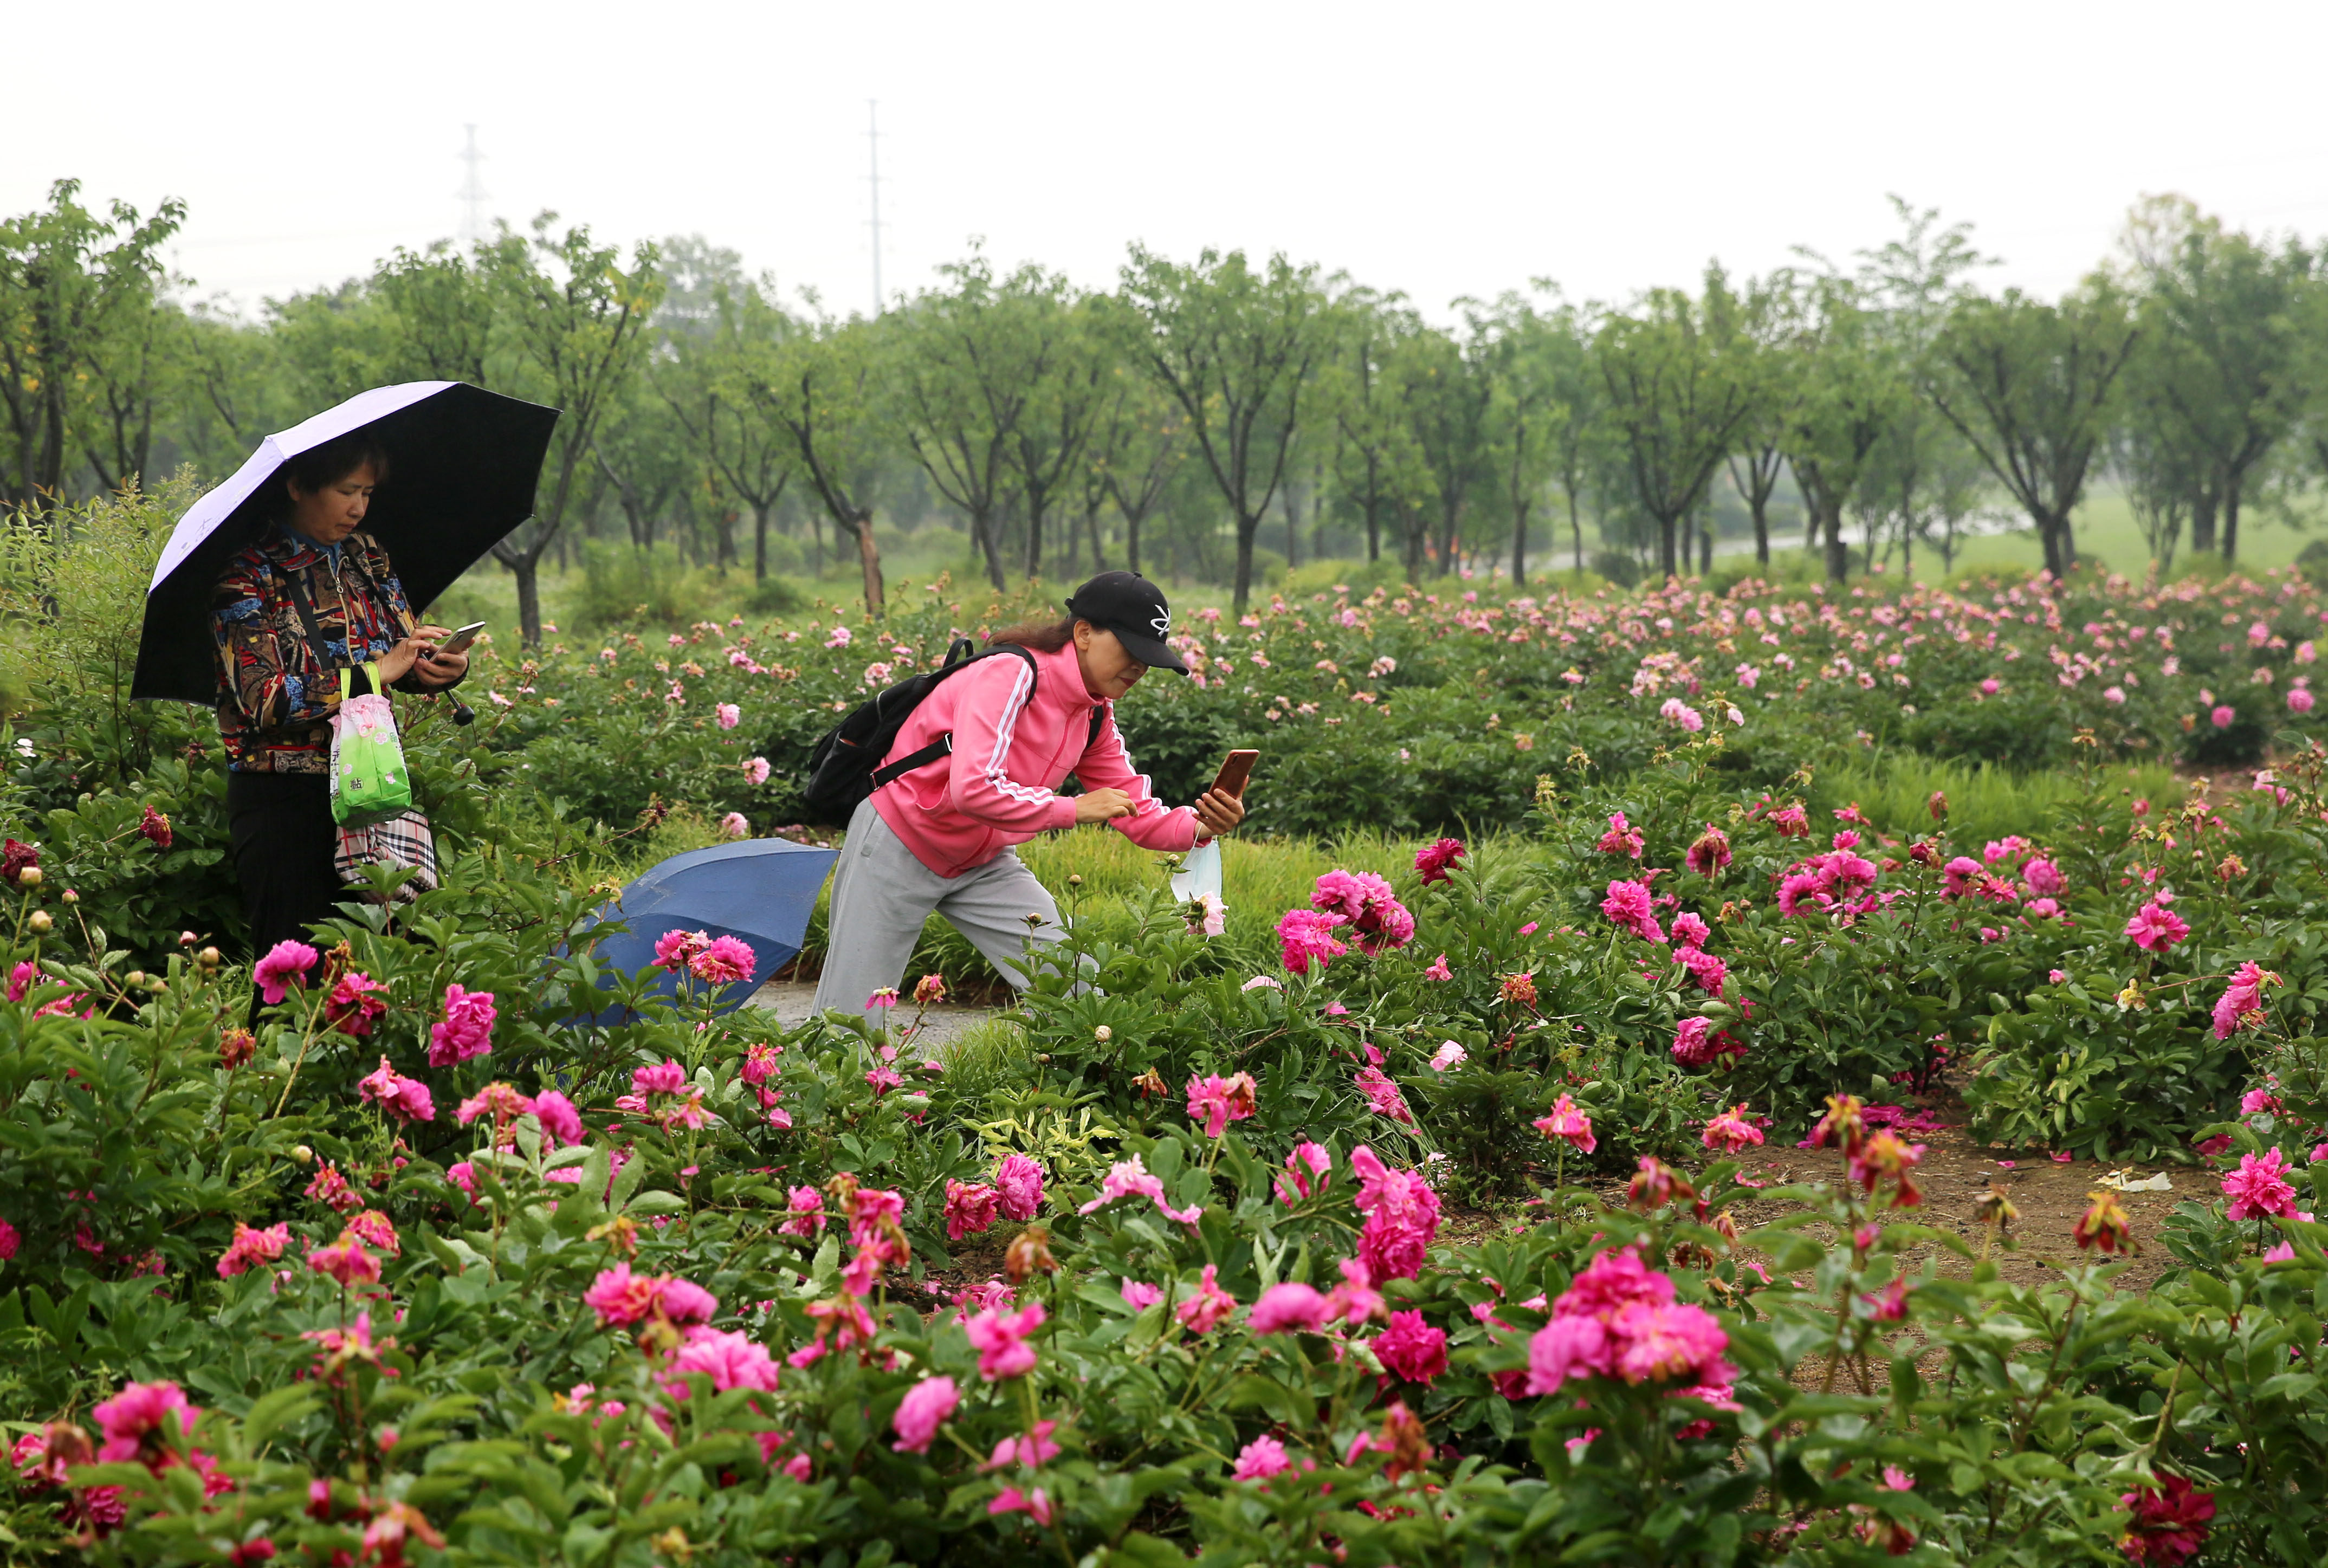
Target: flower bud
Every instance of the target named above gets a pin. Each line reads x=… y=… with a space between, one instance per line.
x=187 y=939
x=39 y=922
x=29 y=877
x=303 y=1155
x=210 y=958
x=1103 y=1034
x=1075 y=879
x=70 y=896
x=1030 y=1250
x=135 y=977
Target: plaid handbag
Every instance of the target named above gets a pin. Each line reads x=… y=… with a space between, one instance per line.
x=403 y=840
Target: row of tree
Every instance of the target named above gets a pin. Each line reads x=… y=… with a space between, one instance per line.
x=1891 y=398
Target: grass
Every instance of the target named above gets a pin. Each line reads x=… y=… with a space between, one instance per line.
x=1984 y=802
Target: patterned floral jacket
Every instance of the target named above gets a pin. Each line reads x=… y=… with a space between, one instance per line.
x=274 y=695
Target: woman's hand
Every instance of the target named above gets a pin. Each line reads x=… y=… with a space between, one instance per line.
x=1101 y=806
x=1218 y=812
x=398 y=661
x=438 y=669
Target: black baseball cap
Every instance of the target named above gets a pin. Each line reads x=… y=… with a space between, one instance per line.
x=1133 y=609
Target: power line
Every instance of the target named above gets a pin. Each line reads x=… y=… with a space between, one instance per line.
x=873 y=149
x=473 y=195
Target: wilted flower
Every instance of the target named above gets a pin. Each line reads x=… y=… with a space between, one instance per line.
x=1710 y=854
x=2104 y=1224
x=1216 y=1102
x=2168 y=1524
x=1731 y=1131
x=1568 y=1121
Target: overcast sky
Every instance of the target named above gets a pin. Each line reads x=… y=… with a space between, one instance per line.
x=1462 y=147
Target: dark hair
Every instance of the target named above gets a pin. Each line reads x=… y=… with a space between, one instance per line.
x=319 y=467
x=1041 y=637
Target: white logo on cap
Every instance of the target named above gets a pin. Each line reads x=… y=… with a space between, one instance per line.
x=1163 y=624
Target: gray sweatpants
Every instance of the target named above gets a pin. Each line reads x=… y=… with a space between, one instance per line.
x=881 y=895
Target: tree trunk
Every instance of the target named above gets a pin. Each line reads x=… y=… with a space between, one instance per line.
x=984 y=532
x=2231 y=521
x=1668 y=558
x=1575 y=528
x=1099 y=549
x=1838 y=554
x=529 y=599
x=2202 y=520
x=869 y=554
x=759 y=544
x=726 y=538
x=1373 y=511
x=2050 y=531
x=1704 y=549
x=1760 y=507
x=1034 y=543
x=1293 y=527
x=1131 y=540
x=1519 y=545
x=1246 y=528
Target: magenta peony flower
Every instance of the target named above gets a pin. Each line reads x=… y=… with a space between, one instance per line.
x=252 y=1248
x=1690 y=930
x=345 y=1260
x=562 y=1123
x=2154 y=928
x=1709 y=855
x=1000 y=1339
x=355 y=1001
x=1382 y=1096
x=1621 y=838
x=1306 y=935
x=2299 y=700
x=1438 y=860
x=1439 y=970
x=137 y=1423
x=1308 y=1161
x=619 y=1296
x=1412 y=1349
x=1289 y=1308
x=406 y=1098
x=467 y=1027
x=1020 y=1182
x=1132 y=1178
x=1377 y=920
x=1140 y=1296
x=672 y=949
x=1401 y=1217
x=2259 y=1187
x=1566 y=1348
x=806 y=1205
x=1692 y=1046
x=287 y=964
x=1628 y=905
x=1216 y=1102
x=2223 y=717
x=927 y=1407
x=969 y=1208
x=2044 y=878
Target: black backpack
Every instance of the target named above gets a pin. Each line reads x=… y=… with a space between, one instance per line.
x=843 y=769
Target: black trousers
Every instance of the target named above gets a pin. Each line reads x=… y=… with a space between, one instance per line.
x=281 y=825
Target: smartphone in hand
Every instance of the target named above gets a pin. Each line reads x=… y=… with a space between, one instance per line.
x=1237 y=768
x=458 y=643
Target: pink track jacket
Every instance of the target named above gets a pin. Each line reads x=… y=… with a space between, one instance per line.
x=1016 y=739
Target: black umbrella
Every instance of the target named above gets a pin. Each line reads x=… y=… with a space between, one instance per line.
x=463 y=466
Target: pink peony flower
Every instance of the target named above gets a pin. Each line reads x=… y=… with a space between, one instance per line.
x=1216 y=1102
x=1034 y=1504
x=1412 y=1349
x=927 y=1407
x=672 y=949
x=1140 y=1296
x=1621 y=838
x=1207 y=1306
x=728 y=715
x=1790 y=822
x=2299 y=700
x=2259 y=1187
x=806 y=1208
x=734 y=825
x=1019 y=1181
x=2241 y=1003
x=466 y=1030
x=1383 y=1096
x=725 y=961
x=345 y=1260
x=142 y=1422
x=24 y=978
x=1306 y=937
x=1692 y=1046
x=1567 y=1120
x=1731 y=1131
x=1439 y=970
x=1307 y=1161
x=1377 y=920
x=1001 y=1340
x=1131 y=1177
x=2223 y=717
x=2154 y=928
x=1690 y=930
x=406 y=1098
x=1449 y=1056
x=1289 y=1308
x=619 y=1296
x=756 y=771
x=2044 y=878
x=1259 y=1459
x=253 y=1248
x=731 y=1359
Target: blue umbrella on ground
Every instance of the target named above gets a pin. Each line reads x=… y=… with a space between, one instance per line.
x=760 y=891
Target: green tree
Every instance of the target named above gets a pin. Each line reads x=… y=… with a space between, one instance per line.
x=704 y=378
x=2218 y=375
x=1068 y=383
x=1526 y=415
x=1238 y=349
x=1678 y=390
x=2030 y=386
x=1139 y=440
x=1849 y=388
x=81 y=318
x=1377 y=465
x=1449 y=393
x=572 y=327
x=817 y=385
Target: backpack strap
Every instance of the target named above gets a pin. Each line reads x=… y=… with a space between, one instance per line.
x=957 y=657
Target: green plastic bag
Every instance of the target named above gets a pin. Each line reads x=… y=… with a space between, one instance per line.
x=369 y=781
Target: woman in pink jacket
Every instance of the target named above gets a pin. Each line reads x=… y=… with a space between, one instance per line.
x=941 y=838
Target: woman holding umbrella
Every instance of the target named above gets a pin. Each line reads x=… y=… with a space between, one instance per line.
x=314 y=597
